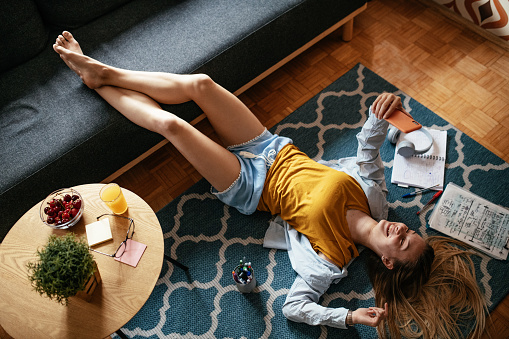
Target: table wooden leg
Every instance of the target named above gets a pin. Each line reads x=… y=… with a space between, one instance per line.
x=173 y=261
x=121 y=334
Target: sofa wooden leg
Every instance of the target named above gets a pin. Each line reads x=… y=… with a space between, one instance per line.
x=348 y=30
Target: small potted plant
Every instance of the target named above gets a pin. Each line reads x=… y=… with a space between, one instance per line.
x=65 y=267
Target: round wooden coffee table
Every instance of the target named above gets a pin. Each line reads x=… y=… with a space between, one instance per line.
x=123 y=291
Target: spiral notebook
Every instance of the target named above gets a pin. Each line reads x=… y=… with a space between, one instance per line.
x=421 y=170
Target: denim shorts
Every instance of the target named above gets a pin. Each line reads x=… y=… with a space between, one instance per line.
x=255 y=157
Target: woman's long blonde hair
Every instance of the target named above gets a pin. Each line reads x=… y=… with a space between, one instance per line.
x=442 y=306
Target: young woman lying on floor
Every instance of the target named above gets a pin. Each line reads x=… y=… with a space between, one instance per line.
x=329 y=211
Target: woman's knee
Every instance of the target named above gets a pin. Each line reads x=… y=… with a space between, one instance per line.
x=201 y=84
x=170 y=125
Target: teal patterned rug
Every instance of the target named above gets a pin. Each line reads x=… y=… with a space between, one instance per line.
x=211 y=238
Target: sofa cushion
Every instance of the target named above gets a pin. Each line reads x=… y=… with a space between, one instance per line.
x=65 y=14
x=56 y=132
x=23 y=33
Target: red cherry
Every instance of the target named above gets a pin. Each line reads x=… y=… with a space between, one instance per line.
x=63 y=208
x=74 y=212
x=77 y=204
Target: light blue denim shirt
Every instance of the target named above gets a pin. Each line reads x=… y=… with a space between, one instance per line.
x=314 y=274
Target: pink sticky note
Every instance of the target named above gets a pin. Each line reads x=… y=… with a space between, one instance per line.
x=133 y=253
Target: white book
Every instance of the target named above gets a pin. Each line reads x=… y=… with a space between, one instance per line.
x=421 y=170
x=473 y=220
x=98 y=232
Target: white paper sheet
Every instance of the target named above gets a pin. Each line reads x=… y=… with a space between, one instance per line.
x=473 y=220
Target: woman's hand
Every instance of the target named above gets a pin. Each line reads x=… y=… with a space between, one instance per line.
x=385 y=104
x=370 y=316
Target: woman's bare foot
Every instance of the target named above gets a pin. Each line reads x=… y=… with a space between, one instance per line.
x=66 y=40
x=91 y=72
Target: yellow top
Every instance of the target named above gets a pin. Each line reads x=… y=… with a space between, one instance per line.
x=313 y=199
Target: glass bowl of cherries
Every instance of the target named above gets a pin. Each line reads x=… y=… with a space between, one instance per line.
x=62 y=209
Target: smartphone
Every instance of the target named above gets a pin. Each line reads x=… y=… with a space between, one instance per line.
x=405 y=123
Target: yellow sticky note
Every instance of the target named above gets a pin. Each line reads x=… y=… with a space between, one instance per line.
x=98 y=232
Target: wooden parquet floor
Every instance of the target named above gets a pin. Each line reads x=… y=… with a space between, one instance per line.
x=456 y=73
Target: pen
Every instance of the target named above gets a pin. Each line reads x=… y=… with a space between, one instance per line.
x=408 y=195
x=431 y=201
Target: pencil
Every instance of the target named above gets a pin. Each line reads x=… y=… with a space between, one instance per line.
x=435 y=197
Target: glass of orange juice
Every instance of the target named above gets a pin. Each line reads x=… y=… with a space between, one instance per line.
x=112 y=196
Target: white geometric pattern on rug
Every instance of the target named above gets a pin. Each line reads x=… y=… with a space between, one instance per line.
x=267 y=285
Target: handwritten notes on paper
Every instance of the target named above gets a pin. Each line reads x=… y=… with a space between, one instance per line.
x=473 y=220
x=421 y=170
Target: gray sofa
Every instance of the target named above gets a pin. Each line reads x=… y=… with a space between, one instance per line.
x=55 y=132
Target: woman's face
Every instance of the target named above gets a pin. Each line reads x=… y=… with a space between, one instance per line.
x=395 y=241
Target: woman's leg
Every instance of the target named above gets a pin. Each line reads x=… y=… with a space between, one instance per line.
x=231 y=119
x=216 y=164
x=219 y=166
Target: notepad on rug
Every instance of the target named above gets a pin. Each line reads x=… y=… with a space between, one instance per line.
x=132 y=253
x=98 y=232
x=476 y=221
x=421 y=170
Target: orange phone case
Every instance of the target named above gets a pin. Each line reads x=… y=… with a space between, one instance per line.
x=403 y=122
